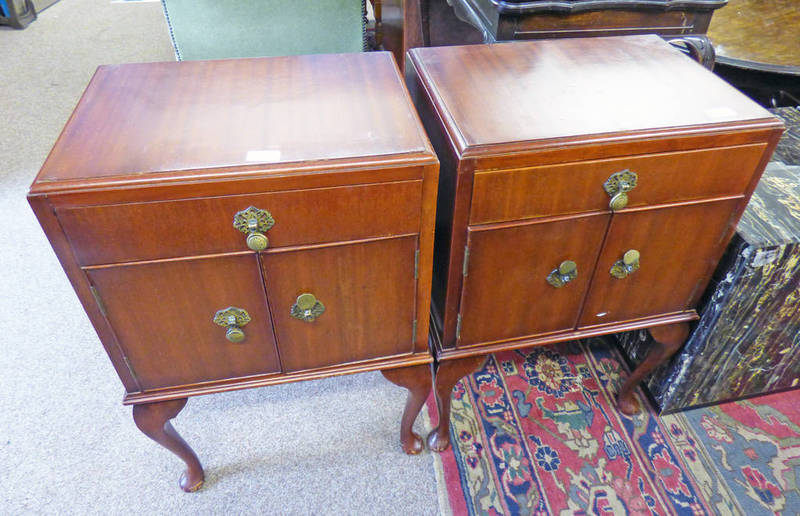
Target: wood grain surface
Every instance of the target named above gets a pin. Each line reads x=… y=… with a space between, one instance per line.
x=568 y=88
x=506 y=294
x=758 y=32
x=165 y=229
x=171 y=117
x=368 y=290
x=679 y=247
x=162 y=315
x=578 y=187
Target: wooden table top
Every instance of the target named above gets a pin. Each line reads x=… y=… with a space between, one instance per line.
x=156 y=118
x=758 y=34
x=567 y=88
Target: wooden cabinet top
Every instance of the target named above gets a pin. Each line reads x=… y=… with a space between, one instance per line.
x=571 y=90
x=177 y=121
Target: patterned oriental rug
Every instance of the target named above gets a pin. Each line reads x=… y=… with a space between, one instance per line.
x=536 y=432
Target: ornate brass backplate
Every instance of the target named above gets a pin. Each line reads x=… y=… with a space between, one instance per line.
x=627 y=265
x=566 y=272
x=617 y=187
x=233 y=319
x=254 y=223
x=307 y=308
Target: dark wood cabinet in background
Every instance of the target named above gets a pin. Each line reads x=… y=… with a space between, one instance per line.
x=458 y=22
x=587 y=186
x=240 y=223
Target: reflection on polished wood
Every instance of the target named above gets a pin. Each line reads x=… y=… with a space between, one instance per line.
x=758 y=32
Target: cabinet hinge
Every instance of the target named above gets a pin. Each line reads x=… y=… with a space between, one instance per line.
x=130 y=369
x=98 y=300
x=465 y=266
x=414 y=332
x=458 y=327
x=416 y=264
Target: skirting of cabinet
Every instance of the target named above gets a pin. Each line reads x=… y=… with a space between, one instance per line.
x=484 y=348
x=405 y=360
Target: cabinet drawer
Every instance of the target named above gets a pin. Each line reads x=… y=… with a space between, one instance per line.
x=578 y=187
x=162 y=314
x=367 y=293
x=166 y=229
x=506 y=291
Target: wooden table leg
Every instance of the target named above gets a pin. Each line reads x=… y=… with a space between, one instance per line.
x=417 y=379
x=445 y=377
x=153 y=420
x=668 y=339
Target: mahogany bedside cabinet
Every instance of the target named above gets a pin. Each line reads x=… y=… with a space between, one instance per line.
x=240 y=223
x=587 y=186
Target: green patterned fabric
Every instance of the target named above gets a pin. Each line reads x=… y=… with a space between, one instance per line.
x=218 y=29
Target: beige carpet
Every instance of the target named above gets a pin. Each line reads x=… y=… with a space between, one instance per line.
x=67 y=445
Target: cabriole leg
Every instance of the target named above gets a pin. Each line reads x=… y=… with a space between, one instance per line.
x=417 y=379
x=445 y=377
x=668 y=339
x=153 y=420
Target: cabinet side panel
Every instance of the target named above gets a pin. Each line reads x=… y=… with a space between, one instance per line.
x=445 y=201
x=425 y=258
x=52 y=229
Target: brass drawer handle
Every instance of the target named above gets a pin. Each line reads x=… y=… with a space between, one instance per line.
x=566 y=272
x=307 y=308
x=233 y=319
x=254 y=223
x=627 y=265
x=617 y=187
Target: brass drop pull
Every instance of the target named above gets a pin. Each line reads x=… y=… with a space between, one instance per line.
x=233 y=319
x=566 y=272
x=307 y=308
x=254 y=223
x=628 y=264
x=617 y=187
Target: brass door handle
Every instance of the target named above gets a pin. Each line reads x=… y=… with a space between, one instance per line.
x=233 y=319
x=566 y=272
x=617 y=187
x=627 y=265
x=307 y=308
x=254 y=223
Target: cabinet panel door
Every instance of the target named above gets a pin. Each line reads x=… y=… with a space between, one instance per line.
x=678 y=247
x=506 y=294
x=162 y=314
x=368 y=292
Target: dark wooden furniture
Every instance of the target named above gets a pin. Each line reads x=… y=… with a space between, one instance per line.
x=240 y=223
x=507 y=20
x=399 y=26
x=587 y=186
